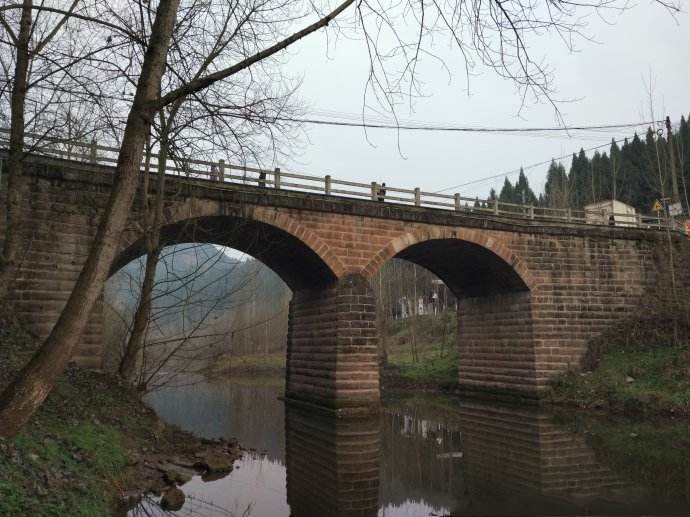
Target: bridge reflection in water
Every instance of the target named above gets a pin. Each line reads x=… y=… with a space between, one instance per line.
x=332 y=464
x=418 y=457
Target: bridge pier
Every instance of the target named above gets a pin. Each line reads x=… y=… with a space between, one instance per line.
x=332 y=349
x=496 y=351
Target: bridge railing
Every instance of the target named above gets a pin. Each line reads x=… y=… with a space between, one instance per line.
x=222 y=173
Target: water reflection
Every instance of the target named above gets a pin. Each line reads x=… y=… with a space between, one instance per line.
x=421 y=456
x=332 y=464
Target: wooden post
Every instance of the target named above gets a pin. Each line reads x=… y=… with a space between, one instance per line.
x=374 y=191
x=276 y=177
x=327 y=185
x=417 y=197
x=457 y=201
x=92 y=150
x=569 y=214
x=221 y=170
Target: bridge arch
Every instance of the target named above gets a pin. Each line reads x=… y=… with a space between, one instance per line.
x=296 y=254
x=469 y=262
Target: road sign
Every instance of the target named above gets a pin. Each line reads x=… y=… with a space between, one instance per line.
x=675 y=209
x=658 y=207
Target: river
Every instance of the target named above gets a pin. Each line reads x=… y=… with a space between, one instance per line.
x=424 y=455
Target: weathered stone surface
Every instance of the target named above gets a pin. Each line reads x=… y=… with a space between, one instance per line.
x=533 y=293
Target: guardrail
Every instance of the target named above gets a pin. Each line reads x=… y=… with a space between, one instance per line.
x=222 y=172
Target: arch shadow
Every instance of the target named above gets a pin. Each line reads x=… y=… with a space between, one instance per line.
x=290 y=257
x=470 y=265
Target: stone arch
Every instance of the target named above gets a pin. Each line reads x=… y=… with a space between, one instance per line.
x=491 y=247
x=181 y=223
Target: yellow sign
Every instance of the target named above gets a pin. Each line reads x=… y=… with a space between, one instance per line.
x=658 y=207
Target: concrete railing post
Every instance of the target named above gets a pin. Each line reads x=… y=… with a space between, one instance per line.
x=374 y=191
x=456 y=199
x=569 y=214
x=276 y=177
x=495 y=206
x=327 y=185
x=531 y=211
x=92 y=151
x=221 y=170
x=417 y=196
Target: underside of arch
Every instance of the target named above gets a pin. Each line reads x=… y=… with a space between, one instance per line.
x=288 y=256
x=468 y=269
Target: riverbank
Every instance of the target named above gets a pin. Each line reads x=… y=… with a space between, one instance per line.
x=94 y=445
x=631 y=382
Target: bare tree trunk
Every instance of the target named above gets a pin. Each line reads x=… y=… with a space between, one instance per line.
x=143 y=314
x=16 y=158
x=27 y=392
x=128 y=363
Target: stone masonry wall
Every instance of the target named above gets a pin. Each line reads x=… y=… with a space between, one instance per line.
x=575 y=281
x=332 y=346
x=496 y=343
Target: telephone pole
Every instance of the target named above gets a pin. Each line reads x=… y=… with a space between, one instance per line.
x=672 y=161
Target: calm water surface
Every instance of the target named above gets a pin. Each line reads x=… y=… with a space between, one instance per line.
x=423 y=456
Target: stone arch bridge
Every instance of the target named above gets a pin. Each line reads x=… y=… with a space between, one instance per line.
x=532 y=293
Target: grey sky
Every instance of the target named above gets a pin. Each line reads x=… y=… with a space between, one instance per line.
x=606 y=76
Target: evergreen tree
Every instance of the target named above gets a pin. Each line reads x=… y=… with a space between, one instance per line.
x=556 y=187
x=636 y=173
x=507 y=194
x=682 y=149
x=522 y=193
x=614 y=169
x=579 y=181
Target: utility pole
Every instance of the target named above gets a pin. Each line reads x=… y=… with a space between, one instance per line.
x=672 y=161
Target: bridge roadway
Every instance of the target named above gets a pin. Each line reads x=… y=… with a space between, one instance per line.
x=532 y=292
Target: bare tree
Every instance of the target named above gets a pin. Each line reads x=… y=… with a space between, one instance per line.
x=43 y=60
x=203 y=304
x=492 y=32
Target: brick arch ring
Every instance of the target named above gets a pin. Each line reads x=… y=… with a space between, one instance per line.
x=408 y=239
x=194 y=208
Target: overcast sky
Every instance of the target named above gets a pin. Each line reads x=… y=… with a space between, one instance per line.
x=607 y=77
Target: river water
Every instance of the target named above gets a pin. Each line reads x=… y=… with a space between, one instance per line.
x=422 y=456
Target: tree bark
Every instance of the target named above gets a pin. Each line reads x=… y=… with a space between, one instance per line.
x=15 y=160
x=24 y=396
x=128 y=364
x=142 y=316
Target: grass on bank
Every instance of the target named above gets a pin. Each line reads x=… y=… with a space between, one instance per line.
x=421 y=351
x=656 y=379
x=73 y=457
x=250 y=364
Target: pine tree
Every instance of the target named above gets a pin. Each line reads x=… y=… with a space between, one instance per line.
x=507 y=194
x=556 y=187
x=522 y=192
x=579 y=180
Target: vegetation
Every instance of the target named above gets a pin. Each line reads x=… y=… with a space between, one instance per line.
x=420 y=352
x=84 y=448
x=636 y=173
x=632 y=381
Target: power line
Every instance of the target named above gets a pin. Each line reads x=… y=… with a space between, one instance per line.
x=460 y=129
x=377 y=123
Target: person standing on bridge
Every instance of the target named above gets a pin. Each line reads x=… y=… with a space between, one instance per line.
x=382 y=192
